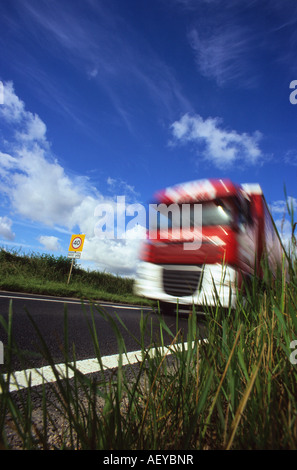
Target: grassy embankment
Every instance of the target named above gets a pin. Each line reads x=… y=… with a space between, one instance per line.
x=238 y=390
x=48 y=275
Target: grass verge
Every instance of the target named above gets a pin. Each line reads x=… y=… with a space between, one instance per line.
x=48 y=275
x=237 y=390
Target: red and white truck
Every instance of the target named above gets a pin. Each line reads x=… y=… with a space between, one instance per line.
x=206 y=266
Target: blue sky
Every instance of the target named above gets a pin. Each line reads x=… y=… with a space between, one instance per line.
x=123 y=97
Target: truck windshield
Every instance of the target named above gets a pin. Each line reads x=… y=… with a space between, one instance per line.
x=213 y=213
x=216 y=213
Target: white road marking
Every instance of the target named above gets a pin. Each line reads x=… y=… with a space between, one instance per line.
x=20 y=380
x=101 y=304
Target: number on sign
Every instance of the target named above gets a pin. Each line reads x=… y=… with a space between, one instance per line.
x=76 y=243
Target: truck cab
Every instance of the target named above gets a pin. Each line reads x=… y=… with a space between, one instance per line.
x=207 y=236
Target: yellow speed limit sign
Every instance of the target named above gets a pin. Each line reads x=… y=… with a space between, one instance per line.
x=76 y=243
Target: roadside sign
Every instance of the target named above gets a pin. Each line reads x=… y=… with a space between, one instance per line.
x=76 y=243
x=74 y=254
x=75 y=249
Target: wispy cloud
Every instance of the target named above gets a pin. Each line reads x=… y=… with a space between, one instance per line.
x=214 y=143
x=290 y=157
x=108 y=51
x=231 y=40
x=223 y=55
x=120 y=187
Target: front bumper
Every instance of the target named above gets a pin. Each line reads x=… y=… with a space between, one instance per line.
x=186 y=284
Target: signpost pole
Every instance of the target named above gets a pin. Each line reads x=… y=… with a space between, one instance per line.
x=72 y=261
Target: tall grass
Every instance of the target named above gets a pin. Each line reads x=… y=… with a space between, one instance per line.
x=237 y=390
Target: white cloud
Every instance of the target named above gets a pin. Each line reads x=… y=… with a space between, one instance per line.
x=284 y=228
x=282 y=219
x=35 y=183
x=280 y=207
x=50 y=243
x=117 y=256
x=5 y=228
x=35 y=129
x=221 y=147
x=13 y=108
x=40 y=190
x=28 y=127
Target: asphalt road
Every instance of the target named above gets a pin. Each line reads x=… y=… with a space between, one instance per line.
x=48 y=314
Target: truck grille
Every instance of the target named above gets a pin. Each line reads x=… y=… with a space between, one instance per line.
x=180 y=282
